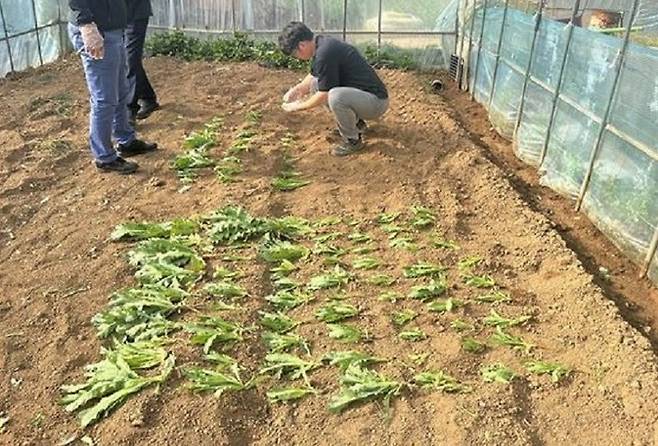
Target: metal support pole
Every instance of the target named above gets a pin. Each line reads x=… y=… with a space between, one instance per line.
x=467 y=65
x=500 y=46
x=233 y=15
x=460 y=52
x=457 y=34
x=533 y=46
x=477 y=60
x=36 y=30
x=558 y=90
x=4 y=26
x=302 y=12
x=621 y=57
x=345 y=21
x=379 y=27
x=653 y=248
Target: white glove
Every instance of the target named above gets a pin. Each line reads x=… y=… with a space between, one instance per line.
x=291 y=107
x=292 y=95
x=93 y=41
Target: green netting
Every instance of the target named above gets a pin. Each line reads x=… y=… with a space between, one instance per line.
x=621 y=196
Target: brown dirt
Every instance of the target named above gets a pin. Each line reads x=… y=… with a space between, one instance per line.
x=59 y=268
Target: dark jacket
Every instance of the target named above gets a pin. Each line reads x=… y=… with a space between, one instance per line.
x=139 y=10
x=108 y=15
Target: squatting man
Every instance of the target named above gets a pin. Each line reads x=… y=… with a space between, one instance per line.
x=340 y=78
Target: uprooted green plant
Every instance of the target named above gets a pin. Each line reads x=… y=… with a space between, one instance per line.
x=109 y=383
x=362 y=384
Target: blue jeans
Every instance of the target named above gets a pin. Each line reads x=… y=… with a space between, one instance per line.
x=110 y=93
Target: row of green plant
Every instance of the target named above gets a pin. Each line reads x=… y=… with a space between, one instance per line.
x=197 y=145
x=288 y=178
x=241 y=48
x=140 y=323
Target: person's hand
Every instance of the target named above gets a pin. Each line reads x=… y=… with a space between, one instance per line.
x=93 y=41
x=292 y=95
x=291 y=107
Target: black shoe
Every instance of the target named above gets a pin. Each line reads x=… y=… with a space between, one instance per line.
x=361 y=126
x=349 y=147
x=119 y=166
x=146 y=108
x=132 y=117
x=137 y=147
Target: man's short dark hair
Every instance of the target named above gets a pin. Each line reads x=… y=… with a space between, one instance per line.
x=292 y=35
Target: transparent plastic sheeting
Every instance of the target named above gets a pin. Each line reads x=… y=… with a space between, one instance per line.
x=622 y=195
x=265 y=18
x=36 y=34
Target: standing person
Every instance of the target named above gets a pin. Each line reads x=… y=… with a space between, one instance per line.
x=340 y=78
x=96 y=30
x=144 y=102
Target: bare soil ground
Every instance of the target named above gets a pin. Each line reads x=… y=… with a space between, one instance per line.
x=58 y=269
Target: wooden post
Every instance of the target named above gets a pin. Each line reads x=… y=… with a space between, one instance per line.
x=477 y=60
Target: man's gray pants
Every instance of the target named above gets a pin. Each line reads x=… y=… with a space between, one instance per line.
x=351 y=104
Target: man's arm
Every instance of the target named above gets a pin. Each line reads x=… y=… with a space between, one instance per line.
x=82 y=14
x=318 y=98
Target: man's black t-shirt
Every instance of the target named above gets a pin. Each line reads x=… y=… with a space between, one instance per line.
x=338 y=64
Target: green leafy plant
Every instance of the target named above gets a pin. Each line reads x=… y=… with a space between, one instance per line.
x=324 y=238
x=472 y=345
x=287 y=300
x=344 y=359
x=288 y=394
x=467 y=263
x=497 y=320
x=336 y=311
x=393 y=230
x=231 y=225
x=139 y=313
x=166 y=262
x=334 y=279
x=210 y=330
x=422 y=217
x=440 y=381
x=284 y=284
x=289 y=180
x=494 y=296
x=418 y=359
x=387 y=218
x=222 y=273
x=497 y=373
x=423 y=269
x=327 y=221
x=401 y=318
x=428 y=292
x=382 y=280
x=278 y=251
x=556 y=371
x=285 y=268
x=359 y=237
x=225 y=289
x=405 y=243
x=479 y=281
x=242 y=142
x=414 y=335
x=109 y=383
x=443 y=243
x=277 y=322
x=141 y=354
x=460 y=325
x=501 y=337
x=290 y=366
x=227 y=168
x=360 y=250
x=445 y=305
x=289 y=227
x=143 y=231
x=360 y=384
x=344 y=333
x=366 y=263
x=217 y=381
x=277 y=342
x=390 y=296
